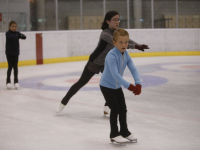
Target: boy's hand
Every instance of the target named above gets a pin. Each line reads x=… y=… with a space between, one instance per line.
x=138 y=89
x=132 y=88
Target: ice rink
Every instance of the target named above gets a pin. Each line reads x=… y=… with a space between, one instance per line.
x=166 y=116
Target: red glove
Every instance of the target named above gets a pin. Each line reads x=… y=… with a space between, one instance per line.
x=131 y=88
x=141 y=47
x=138 y=89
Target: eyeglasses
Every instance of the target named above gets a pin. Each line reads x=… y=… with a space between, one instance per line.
x=116 y=20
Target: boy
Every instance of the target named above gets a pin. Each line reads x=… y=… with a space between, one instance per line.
x=116 y=61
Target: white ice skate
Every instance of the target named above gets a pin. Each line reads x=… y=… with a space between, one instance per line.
x=106 y=110
x=118 y=139
x=8 y=85
x=60 y=108
x=17 y=86
x=131 y=138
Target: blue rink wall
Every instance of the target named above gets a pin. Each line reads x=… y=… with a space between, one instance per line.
x=75 y=45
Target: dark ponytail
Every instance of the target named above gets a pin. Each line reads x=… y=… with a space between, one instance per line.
x=108 y=16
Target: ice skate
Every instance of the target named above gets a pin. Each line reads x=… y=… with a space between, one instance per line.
x=60 y=108
x=17 y=86
x=119 y=139
x=106 y=110
x=8 y=85
x=131 y=138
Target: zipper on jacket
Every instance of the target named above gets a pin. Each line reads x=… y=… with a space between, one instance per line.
x=121 y=67
x=122 y=64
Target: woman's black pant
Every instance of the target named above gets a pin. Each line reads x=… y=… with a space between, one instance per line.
x=116 y=102
x=84 y=79
x=12 y=63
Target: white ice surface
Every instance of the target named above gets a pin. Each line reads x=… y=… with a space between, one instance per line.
x=163 y=117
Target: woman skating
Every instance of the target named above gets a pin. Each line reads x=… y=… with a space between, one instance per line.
x=96 y=60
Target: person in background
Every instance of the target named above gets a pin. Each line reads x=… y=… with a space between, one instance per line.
x=112 y=80
x=96 y=60
x=12 y=53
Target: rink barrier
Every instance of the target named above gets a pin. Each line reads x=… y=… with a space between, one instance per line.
x=83 y=58
x=154 y=54
x=65 y=59
x=20 y=63
x=76 y=45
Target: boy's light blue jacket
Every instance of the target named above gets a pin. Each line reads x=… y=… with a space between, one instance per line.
x=114 y=67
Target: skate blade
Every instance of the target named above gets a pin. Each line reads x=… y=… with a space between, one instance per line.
x=131 y=141
x=118 y=143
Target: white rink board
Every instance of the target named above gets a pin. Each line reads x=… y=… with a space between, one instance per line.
x=57 y=44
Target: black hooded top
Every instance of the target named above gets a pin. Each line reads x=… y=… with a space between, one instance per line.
x=12 y=42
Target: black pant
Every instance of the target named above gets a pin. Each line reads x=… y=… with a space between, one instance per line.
x=12 y=63
x=84 y=79
x=116 y=102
